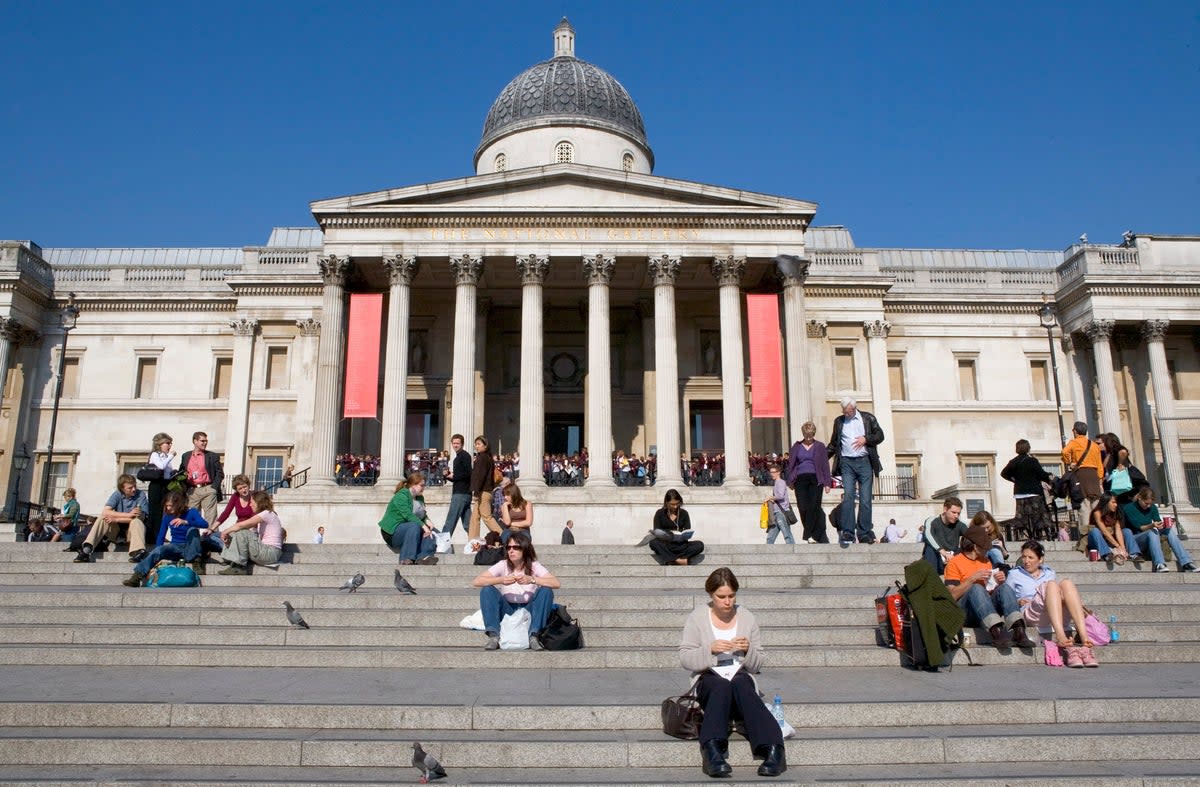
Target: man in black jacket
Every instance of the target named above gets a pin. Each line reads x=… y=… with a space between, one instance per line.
x=459 y=476
x=205 y=474
x=482 y=483
x=856 y=434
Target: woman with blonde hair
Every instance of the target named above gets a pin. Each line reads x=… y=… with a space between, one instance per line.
x=998 y=553
x=162 y=456
x=405 y=526
x=807 y=473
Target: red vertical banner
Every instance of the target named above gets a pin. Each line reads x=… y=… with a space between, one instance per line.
x=362 y=356
x=766 y=356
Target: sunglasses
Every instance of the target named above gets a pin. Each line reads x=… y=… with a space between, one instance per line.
x=514 y=546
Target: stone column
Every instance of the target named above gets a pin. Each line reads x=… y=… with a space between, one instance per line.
x=238 y=417
x=329 y=368
x=645 y=313
x=306 y=392
x=533 y=269
x=1100 y=332
x=1164 y=408
x=881 y=390
x=1075 y=370
x=598 y=268
x=401 y=270
x=818 y=374
x=728 y=273
x=467 y=270
x=10 y=336
x=795 y=335
x=665 y=268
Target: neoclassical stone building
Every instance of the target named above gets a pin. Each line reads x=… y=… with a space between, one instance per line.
x=564 y=297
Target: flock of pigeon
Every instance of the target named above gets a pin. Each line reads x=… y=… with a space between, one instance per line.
x=422 y=760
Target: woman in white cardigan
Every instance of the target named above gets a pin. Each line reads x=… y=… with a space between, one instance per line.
x=722 y=648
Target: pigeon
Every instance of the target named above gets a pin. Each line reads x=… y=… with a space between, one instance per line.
x=293 y=616
x=403 y=586
x=427 y=764
x=353 y=583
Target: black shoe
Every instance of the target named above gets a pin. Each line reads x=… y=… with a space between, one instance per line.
x=713 y=755
x=1020 y=638
x=1000 y=638
x=774 y=761
x=84 y=556
x=198 y=566
x=1188 y=567
x=235 y=570
x=136 y=556
x=428 y=560
x=134 y=581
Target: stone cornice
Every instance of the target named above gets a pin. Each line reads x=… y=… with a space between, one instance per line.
x=661 y=218
x=844 y=291
x=942 y=307
x=227 y=305
x=280 y=289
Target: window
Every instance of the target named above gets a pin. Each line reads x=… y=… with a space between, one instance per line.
x=147 y=373
x=60 y=473
x=1039 y=375
x=975 y=474
x=70 y=385
x=896 y=378
x=222 y=376
x=268 y=470
x=501 y=162
x=627 y=162
x=844 y=378
x=906 y=480
x=564 y=153
x=277 y=368
x=966 y=379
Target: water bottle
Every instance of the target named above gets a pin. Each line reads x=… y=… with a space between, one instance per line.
x=777 y=710
x=1112 y=628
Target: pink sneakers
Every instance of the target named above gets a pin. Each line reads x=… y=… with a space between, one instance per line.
x=1089 y=657
x=1074 y=657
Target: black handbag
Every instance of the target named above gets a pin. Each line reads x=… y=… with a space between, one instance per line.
x=682 y=716
x=489 y=556
x=149 y=472
x=561 y=632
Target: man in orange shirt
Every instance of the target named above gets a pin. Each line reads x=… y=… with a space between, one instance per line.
x=969 y=574
x=1083 y=455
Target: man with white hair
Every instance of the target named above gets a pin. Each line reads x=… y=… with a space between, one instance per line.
x=856 y=434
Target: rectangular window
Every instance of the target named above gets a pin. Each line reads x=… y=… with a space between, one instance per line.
x=1039 y=375
x=268 y=470
x=896 y=378
x=975 y=474
x=222 y=377
x=147 y=372
x=70 y=384
x=966 y=380
x=277 y=358
x=906 y=480
x=60 y=472
x=844 y=377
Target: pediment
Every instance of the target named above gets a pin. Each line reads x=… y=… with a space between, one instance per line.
x=563 y=187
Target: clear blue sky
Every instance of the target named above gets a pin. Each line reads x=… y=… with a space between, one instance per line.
x=1015 y=125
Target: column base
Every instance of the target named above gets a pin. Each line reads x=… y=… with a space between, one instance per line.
x=738 y=483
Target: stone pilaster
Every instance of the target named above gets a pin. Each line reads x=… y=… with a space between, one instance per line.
x=1154 y=331
x=238 y=418
x=877 y=332
x=644 y=308
x=330 y=351
x=532 y=269
x=1075 y=369
x=1100 y=332
x=401 y=271
x=795 y=336
x=598 y=269
x=664 y=269
x=728 y=273
x=11 y=332
x=467 y=269
x=305 y=376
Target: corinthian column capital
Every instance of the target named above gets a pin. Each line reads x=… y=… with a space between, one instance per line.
x=877 y=329
x=310 y=326
x=244 y=326
x=1155 y=330
x=664 y=268
x=728 y=270
x=467 y=268
x=401 y=268
x=1100 y=330
x=598 y=268
x=12 y=330
x=817 y=329
x=533 y=268
x=334 y=269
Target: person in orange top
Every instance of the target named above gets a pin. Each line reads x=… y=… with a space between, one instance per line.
x=1082 y=454
x=982 y=593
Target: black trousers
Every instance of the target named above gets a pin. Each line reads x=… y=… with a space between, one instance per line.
x=808 y=503
x=669 y=552
x=726 y=700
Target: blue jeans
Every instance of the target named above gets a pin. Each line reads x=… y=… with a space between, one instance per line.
x=779 y=523
x=996 y=556
x=858 y=482
x=987 y=609
x=460 y=511
x=407 y=541
x=188 y=551
x=1148 y=541
x=495 y=606
x=1096 y=541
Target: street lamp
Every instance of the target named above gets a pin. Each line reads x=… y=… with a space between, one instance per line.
x=1046 y=315
x=20 y=464
x=67 y=318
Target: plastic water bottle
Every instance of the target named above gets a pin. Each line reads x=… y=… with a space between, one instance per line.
x=1112 y=628
x=777 y=710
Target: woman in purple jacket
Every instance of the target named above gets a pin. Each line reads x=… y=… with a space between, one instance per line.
x=808 y=475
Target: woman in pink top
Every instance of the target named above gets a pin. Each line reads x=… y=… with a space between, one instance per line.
x=517 y=582
x=258 y=539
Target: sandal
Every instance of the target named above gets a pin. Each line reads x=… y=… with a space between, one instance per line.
x=1119 y=560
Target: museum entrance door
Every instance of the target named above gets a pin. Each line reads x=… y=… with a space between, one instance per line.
x=564 y=433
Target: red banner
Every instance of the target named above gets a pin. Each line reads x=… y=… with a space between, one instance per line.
x=362 y=356
x=766 y=356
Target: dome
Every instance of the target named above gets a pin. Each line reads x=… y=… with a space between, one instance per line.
x=564 y=91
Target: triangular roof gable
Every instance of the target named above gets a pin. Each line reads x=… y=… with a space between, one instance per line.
x=562 y=186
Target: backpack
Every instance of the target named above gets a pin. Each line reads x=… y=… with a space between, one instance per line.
x=173 y=575
x=891 y=611
x=561 y=632
x=913 y=651
x=1067 y=487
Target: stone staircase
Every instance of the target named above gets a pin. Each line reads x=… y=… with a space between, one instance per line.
x=101 y=684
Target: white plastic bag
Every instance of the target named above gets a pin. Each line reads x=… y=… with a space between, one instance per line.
x=514 y=630
x=474 y=621
x=444 y=546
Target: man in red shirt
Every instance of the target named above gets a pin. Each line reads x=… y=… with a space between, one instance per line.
x=204 y=477
x=969 y=575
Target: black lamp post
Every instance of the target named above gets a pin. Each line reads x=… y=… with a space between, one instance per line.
x=20 y=464
x=1046 y=315
x=67 y=317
